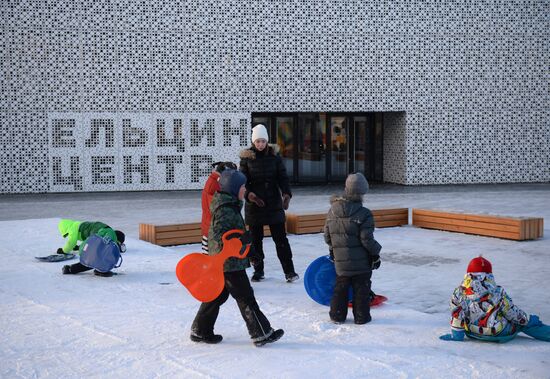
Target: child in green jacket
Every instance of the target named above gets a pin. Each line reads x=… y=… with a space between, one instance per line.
x=76 y=231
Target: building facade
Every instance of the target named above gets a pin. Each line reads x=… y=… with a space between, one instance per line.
x=127 y=95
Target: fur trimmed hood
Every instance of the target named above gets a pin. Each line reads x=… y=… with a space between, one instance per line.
x=345 y=205
x=250 y=152
x=345 y=197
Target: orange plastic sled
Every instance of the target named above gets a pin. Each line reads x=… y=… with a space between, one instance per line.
x=202 y=274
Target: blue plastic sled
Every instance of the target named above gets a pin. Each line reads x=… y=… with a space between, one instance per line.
x=320 y=279
x=497 y=339
x=539 y=332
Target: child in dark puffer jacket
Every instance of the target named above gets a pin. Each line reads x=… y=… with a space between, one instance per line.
x=349 y=234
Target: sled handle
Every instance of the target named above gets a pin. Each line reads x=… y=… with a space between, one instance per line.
x=237 y=236
x=119 y=263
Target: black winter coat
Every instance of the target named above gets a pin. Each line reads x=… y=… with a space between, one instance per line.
x=266 y=177
x=349 y=234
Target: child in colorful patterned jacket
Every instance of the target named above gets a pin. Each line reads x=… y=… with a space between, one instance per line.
x=482 y=310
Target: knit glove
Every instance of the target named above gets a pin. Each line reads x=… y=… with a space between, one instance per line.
x=376 y=263
x=286 y=201
x=256 y=200
x=456 y=335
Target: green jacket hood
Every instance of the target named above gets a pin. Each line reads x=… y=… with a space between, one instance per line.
x=69 y=229
x=65 y=226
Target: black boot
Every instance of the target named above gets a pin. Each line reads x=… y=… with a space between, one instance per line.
x=104 y=274
x=210 y=339
x=363 y=320
x=257 y=276
x=291 y=277
x=66 y=270
x=274 y=336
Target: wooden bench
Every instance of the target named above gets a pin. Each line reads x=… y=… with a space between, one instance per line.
x=167 y=235
x=514 y=228
x=175 y=234
x=314 y=223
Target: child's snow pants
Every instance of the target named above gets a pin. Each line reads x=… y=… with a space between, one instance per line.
x=238 y=286
x=361 y=298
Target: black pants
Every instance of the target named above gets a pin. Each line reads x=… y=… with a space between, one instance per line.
x=361 y=298
x=78 y=267
x=282 y=246
x=238 y=286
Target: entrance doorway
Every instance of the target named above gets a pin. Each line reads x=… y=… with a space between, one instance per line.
x=326 y=147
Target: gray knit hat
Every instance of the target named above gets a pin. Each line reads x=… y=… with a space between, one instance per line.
x=356 y=184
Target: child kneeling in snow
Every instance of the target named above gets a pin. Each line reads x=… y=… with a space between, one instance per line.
x=76 y=231
x=482 y=310
x=349 y=234
x=226 y=215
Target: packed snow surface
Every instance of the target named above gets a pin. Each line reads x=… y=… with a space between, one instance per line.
x=137 y=323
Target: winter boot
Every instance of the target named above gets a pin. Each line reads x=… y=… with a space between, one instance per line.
x=104 y=274
x=211 y=339
x=66 y=270
x=258 y=276
x=291 y=277
x=276 y=335
x=363 y=320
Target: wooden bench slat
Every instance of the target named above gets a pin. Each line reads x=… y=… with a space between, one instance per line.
x=466 y=223
x=467 y=230
x=394 y=211
x=179 y=233
x=515 y=228
x=306 y=224
x=174 y=227
x=392 y=217
x=178 y=241
x=314 y=223
x=390 y=223
x=470 y=217
x=310 y=217
x=310 y=229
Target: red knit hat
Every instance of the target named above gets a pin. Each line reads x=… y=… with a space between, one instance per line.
x=480 y=264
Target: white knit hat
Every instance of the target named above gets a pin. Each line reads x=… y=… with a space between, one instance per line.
x=259 y=131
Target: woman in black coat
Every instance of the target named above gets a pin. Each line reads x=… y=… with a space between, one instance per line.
x=267 y=196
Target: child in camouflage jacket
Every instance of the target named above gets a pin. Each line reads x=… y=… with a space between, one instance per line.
x=226 y=215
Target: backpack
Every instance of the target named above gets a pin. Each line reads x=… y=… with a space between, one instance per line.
x=100 y=253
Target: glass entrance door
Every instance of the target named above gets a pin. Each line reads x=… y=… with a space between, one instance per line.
x=311 y=147
x=339 y=147
x=359 y=144
x=285 y=139
x=362 y=146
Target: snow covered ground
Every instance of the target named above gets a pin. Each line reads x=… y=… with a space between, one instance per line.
x=136 y=324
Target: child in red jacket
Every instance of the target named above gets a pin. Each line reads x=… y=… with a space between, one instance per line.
x=210 y=188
